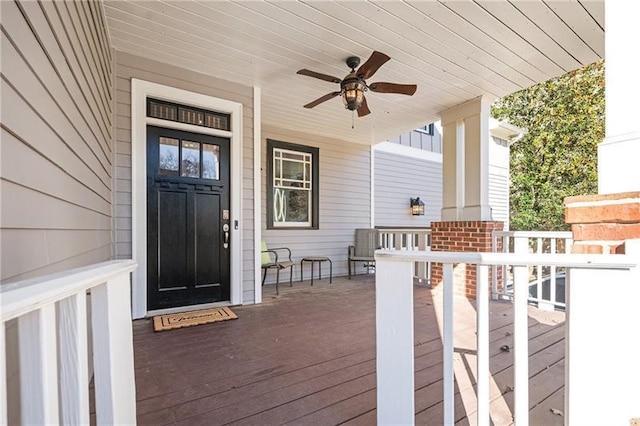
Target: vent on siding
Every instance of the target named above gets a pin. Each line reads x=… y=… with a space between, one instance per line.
x=186 y=114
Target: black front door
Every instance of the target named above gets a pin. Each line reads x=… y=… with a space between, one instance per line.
x=187 y=218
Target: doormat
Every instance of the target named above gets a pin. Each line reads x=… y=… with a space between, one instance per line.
x=187 y=319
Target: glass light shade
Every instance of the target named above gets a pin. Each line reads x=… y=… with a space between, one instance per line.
x=417 y=207
x=353 y=95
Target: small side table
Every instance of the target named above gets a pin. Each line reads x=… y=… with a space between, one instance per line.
x=319 y=260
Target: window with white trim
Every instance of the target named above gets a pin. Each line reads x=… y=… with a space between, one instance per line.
x=292 y=199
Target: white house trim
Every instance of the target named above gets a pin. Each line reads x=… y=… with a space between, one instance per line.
x=396 y=148
x=257 y=189
x=140 y=90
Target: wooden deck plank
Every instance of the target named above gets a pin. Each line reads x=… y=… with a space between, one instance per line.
x=307 y=356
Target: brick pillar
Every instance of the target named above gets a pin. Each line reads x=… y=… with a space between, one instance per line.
x=601 y=223
x=467 y=236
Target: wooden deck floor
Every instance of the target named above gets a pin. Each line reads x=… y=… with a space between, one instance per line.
x=308 y=357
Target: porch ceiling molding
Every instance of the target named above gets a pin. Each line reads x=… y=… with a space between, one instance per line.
x=454 y=51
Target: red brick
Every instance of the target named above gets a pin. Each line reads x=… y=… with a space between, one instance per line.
x=466 y=236
x=605 y=231
x=587 y=249
x=605 y=213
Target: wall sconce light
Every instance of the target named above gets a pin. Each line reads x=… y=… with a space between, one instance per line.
x=417 y=207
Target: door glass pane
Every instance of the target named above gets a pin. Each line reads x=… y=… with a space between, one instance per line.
x=168 y=156
x=210 y=161
x=190 y=166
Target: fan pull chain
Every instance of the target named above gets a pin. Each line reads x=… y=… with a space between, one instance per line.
x=353 y=119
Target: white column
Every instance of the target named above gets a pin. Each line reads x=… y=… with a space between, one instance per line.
x=465 y=161
x=619 y=152
x=602 y=345
x=452 y=170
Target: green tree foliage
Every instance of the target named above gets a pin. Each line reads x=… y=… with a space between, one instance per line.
x=564 y=119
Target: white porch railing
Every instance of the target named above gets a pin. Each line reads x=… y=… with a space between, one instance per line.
x=542 y=279
x=395 y=327
x=410 y=239
x=50 y=314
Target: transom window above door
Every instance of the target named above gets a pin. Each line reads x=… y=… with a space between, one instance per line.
x=187 y=114
x=185 y=158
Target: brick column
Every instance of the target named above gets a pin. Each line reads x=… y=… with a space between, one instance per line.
x=601 y=223
x=467 y=236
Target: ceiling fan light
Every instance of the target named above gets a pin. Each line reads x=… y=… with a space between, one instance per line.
x=353 y=94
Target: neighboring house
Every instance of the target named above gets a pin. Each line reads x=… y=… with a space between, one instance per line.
x=410 y=166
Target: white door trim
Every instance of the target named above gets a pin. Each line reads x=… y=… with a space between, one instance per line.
x=140 y=90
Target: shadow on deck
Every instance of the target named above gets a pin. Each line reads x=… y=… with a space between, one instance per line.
x=308 y=357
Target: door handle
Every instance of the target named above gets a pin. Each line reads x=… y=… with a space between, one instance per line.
x=225 y=228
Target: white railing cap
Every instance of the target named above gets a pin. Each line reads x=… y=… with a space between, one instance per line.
x=22 y=297
x=534 y=234
x=595 y=261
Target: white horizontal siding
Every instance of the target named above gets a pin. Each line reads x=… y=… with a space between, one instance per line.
x=345 y=200
x=131 y=66
x=398 y=178
x=499 y=179
x=56 y=138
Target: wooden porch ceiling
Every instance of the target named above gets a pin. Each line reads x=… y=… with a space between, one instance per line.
x=308 y=357
x=453 y=51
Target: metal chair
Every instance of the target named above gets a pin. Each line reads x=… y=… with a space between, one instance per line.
x=270 y=259
x=367 y=242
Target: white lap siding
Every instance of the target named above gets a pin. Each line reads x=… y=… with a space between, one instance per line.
x=56 y=182
x=398 y=178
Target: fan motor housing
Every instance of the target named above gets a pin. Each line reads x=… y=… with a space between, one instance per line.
x=353 y=62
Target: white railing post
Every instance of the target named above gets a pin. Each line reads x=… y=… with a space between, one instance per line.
x=113 y=352
x=394 y=337
x=602 y=372
x=448 y=382
x=74 y=369
x=521 y=345
x=38 y=367
x=482 y=344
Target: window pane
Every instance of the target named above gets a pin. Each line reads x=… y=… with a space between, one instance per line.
x=190 y=166
x=291 y=206
x=292 y=170
x=168 y=156
x=293 y=156
x=210 y=161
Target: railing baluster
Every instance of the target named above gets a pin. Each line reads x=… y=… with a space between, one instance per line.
x=38 y=366
x=552 y=283
x=113 y=352
x=482 y=343
x=74 y=374
x=447 y=343
x=521 y=346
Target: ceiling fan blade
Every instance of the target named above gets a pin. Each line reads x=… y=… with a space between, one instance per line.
x=324 y=77
x=404 y=89
x=322 y=99
x=363 y=109
x=375 y=61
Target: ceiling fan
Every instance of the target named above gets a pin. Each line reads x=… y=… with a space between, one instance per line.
x=353 y=86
